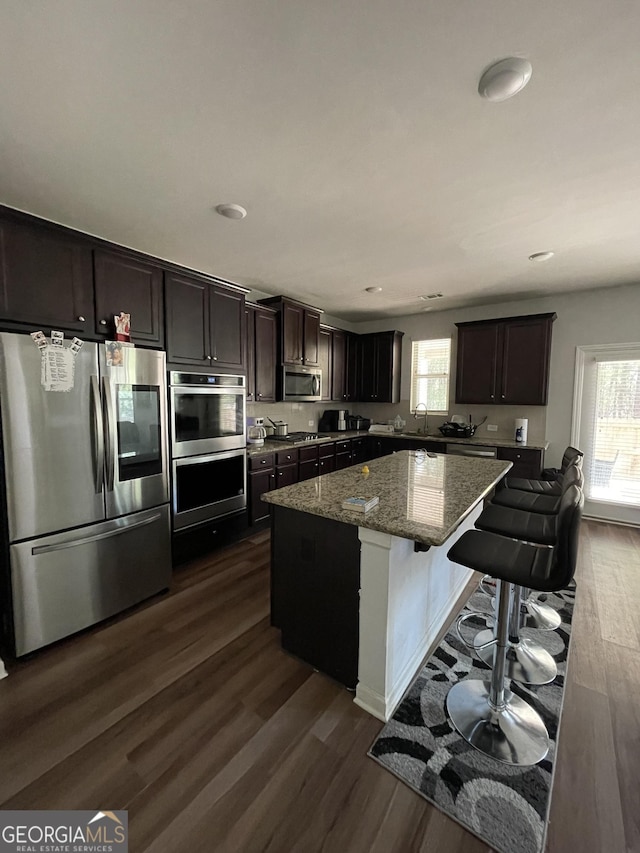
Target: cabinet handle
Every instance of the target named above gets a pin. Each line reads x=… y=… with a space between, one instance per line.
x=81 y=319
x=215 y=358
x=103 y=322
x=208 y=358
x=279 y=473
x=272 y=477
x=503 y=396
x=259 y=395
x=263 y=461
x=492 y=396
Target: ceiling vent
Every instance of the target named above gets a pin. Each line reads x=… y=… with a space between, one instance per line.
x=432 y=296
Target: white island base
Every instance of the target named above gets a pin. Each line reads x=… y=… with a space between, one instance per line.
x=406 y=597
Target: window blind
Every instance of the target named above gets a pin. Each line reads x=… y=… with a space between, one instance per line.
x=611 y=429
x=430 y=367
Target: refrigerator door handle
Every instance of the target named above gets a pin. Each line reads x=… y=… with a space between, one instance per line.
x=98 y=447
x=84 y=540
x=110 y=437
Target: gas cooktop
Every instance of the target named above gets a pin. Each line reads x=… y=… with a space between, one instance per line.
x=296 y=436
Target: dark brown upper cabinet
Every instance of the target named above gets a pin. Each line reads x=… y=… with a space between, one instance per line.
x=299 y=331
x=338 y=365
x=352 y=369
x=133 y=286
x=261 y=354
x=226 y=318
x=380 y=365
x=325 y=360
x=46 y=279
x=504 y=362
x=205 y=324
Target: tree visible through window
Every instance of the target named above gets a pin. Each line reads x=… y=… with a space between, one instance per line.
x=430 y=367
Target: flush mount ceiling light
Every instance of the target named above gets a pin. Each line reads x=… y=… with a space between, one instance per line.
x=505 y=79
x=541 y=256
x=373 y=289
x=231 y=211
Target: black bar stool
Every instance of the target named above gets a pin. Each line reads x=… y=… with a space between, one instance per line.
x=532 y=502
x=545 y=486
x=489 y=716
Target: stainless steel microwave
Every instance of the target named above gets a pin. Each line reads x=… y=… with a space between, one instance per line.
x=301 y=384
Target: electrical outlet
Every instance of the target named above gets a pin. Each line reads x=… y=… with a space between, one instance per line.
x=492 y=427
x=311 y=423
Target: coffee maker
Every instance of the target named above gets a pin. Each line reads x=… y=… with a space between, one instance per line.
x=256 y=433
x=334 y=420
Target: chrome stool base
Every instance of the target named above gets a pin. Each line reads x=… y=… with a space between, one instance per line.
x=541 y=616
x=513 y=733
x=526 y=662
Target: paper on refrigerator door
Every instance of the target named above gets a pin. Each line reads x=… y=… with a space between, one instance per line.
x=57 y=369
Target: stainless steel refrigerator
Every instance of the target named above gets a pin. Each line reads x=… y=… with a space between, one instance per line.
x=86 y=526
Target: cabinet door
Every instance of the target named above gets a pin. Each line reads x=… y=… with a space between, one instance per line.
x=265 y=356
x=388 y=355
x=476 y=371
x=368 y=368
x=45 y=280
x=286 y=475
x=187 y=302
x=312 y=339
x=338 y=365
x=226 y=325
x=359 y=450
x=325 y=363
x=352 y=390
x=526 y=462
x=259 y=483
x=292 y=329
x=526 y=348
x=132 y=286
x=343 y=460
x=250 y=356
x=327 y=465
x=307 y=470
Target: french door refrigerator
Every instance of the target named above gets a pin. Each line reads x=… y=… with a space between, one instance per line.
x=86 y=489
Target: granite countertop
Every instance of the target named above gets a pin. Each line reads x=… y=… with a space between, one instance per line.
x=484 y=441
x=422 y=498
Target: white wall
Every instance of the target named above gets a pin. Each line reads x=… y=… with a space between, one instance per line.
x=609 y=315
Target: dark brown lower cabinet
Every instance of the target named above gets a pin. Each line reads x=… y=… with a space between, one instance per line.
x=286 y=475
x=343 y=460
x=308 y=466
x=315 y=580
x=259 y=483
x=527 y=462
x=327 y=465
x=358 y=450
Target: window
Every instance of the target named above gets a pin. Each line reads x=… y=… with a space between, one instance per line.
x=609 y=430
x=430 y=365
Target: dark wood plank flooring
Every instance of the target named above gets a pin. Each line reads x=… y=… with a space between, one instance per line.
x=187 y=713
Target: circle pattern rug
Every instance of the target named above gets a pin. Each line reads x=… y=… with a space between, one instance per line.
x=506 y=807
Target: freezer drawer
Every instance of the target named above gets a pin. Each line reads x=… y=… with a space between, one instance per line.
x=66 y=582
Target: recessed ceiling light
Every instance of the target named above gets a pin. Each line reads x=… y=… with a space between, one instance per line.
x=541 y=256
x=505 y=79
x=231 y=211
x=373 y=289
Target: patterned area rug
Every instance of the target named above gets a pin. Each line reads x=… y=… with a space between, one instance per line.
x=506 y=807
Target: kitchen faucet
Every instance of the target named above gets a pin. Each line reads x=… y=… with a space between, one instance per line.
x=417 y=414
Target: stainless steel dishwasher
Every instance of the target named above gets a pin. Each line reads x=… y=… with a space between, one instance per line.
x=472 y=450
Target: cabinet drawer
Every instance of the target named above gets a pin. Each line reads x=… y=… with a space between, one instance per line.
x=308 y=454
x=326 y=451
x=258 y=462
x=286 y=457
x=343 y=446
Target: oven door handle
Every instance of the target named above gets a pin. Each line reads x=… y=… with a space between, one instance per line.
x=209 y=457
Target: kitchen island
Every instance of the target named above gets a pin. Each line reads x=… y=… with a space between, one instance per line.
x=362 y=596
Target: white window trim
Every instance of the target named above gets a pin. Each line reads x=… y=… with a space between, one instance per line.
x=446 y=376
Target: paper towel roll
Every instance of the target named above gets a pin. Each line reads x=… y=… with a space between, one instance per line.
x=523 y=424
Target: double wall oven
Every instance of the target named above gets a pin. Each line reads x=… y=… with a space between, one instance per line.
x=208 y=446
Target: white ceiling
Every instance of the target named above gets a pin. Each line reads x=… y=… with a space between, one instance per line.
x=352 y=132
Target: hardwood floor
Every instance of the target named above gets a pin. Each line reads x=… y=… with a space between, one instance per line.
x=187 y=713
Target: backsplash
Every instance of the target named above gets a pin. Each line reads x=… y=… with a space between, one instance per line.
x=298 y=415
